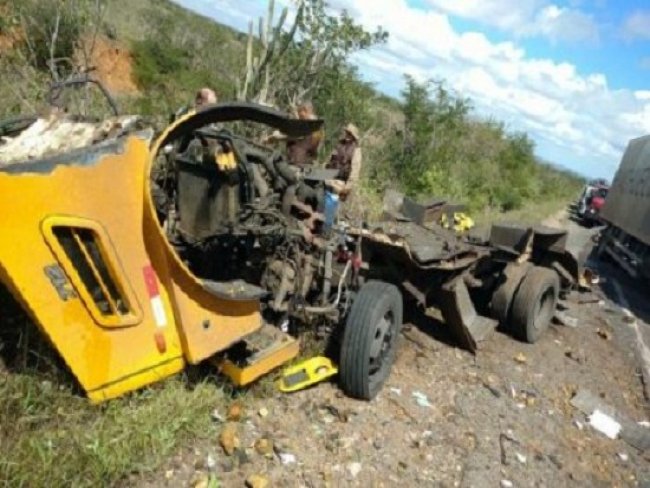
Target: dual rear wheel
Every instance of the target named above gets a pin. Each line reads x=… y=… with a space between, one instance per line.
x=533 y=304
x=372 y=328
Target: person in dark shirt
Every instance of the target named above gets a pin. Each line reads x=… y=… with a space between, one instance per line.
x=301 y=152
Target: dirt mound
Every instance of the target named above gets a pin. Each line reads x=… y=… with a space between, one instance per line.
x=10 y=31
x=6 y=43
x=113 y=65
x=9 y=38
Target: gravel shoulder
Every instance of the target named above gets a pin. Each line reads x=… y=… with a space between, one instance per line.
x=502 y=417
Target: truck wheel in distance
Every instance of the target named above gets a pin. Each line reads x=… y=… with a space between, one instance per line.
x=370 y=339
x=534 y=304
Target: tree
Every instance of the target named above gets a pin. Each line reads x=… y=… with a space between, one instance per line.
x=285 y=66
x=52 y=40
x=53 y=30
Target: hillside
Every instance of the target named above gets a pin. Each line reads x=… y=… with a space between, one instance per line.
x=197 y=50
x=155 y=55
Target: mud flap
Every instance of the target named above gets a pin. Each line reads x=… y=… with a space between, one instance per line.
x=468 y=327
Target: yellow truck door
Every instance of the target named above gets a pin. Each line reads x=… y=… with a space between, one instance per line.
x=82 y=251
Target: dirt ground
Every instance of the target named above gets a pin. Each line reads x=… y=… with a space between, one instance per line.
x=448 y=418
x=113 y=65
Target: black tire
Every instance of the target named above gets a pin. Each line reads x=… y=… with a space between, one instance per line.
x=534 y=304
x=503 y=296
x=370 y=339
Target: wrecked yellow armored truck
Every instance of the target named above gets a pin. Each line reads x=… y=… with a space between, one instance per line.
x=84 y=254
x=136 y=256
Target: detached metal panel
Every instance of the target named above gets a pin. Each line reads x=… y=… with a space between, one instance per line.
x=628 y=202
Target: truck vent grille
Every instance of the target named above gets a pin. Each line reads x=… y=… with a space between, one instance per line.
x=83 y=249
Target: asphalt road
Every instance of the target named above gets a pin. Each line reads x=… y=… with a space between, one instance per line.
x=627 y=295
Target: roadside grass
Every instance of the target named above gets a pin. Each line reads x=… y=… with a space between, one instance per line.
x=52 y=436
x=530 y=212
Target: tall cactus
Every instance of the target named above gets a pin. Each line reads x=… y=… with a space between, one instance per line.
x=257 y=77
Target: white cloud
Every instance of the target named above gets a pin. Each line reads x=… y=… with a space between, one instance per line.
x=562 y=24
x=639 y=118
x=576 y=119
x=505 y=14
x=526 y=18
x=637 y=25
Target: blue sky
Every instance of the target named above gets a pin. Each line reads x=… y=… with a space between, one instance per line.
x=574 y=74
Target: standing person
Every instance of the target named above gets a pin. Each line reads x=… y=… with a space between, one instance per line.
x=205 y=96
x=302 y=151
x=347 y=159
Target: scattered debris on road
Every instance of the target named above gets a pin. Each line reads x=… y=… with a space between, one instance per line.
x=564 y=319
x=579 y=356
x=421 y=399
x=217 y=417
x=264 y=447
x=229 y=438
x=605 y=424
x=354 y=469
x=604 y=334
x=287 y=458
x=235 y=412
x=610 y=422
x=257 y=481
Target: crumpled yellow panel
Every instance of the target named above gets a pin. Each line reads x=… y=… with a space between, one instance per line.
x=226 y=161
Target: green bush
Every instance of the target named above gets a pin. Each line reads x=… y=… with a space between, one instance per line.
x=41 y=19
x=155 y=63
x=443 y=149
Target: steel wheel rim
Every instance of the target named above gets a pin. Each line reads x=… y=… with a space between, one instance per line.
x=381 y=345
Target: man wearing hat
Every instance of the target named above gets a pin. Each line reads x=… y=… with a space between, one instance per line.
x=346 y=158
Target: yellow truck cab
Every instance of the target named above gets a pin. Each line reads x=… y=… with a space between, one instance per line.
x=83 y=252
